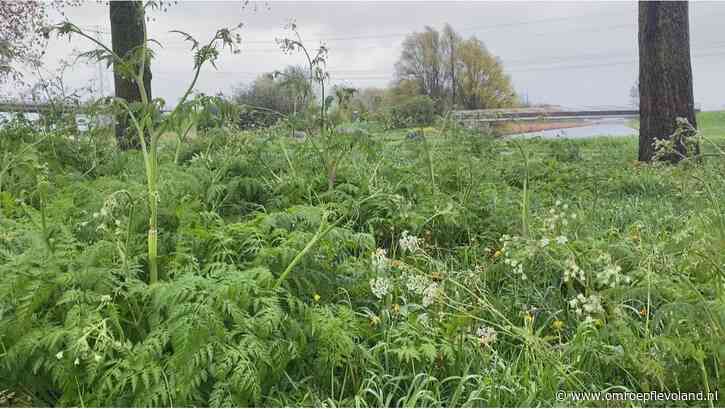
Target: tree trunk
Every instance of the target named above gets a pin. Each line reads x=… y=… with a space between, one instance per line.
x=665 y=75
x=127 y=33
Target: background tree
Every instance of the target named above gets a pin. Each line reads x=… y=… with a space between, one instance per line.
x=368 y=99
x=422 y=61
x=450 y=41
x=665 y=75
x=286 y=92
x=344 y=95
x=634 y=95
x=128 y=34
x=22 y=33
x=295 y=86
x=454 y=71
x=481 y=82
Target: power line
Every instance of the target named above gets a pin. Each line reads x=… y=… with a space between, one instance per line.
x=609 y=63
x=492 y=27
x=533 y=64
x=486 y=28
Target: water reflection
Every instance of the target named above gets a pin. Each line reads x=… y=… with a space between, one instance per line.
x=601 y=127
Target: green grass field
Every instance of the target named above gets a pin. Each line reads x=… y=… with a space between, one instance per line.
x=453 y=271
x=711 y=124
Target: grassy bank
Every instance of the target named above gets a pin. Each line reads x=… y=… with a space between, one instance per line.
x=457 y=270
x=711 y=124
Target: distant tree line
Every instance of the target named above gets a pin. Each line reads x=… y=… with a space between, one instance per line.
x=436 y=71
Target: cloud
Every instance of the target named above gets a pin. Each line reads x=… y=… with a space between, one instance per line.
x=558 y=52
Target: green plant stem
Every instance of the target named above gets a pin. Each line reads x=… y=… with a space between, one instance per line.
x=705 y=380
x=321 y=232
x=153 y=215
x=181 y=139
x=525 y=193
x=430 y=162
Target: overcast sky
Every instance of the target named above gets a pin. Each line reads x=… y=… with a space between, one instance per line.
x=570 y=53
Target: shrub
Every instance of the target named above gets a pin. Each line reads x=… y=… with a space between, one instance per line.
x=413 y=111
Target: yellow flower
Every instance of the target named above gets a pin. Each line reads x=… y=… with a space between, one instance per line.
x=436 y=276
x=643 y=312
x=497 y=254
x=374 y=320
x=396 y=308
x=316 y=297
x=558 y=325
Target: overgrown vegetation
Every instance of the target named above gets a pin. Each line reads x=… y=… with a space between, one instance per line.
x=442 y=271
x=309 y=254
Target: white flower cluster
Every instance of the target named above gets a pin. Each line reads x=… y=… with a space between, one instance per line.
x=380 y=286
x=380 y=260
x=610 y=275
x=561 y=240
x=573 y=272
x=417 y=283
x=516 y=265
x=558 y=217
x=409 y=243
x=422 y=285
x=430 y=294
x=586 y=305
x=486 y=335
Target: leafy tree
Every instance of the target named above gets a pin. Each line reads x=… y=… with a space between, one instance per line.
x=287 y=91
x=481 y=82
x=295 y=84
x=368 y=99
x=665 y=77
x=450 y=42
x=22 y=32
x=422 y=61
x=445 y=67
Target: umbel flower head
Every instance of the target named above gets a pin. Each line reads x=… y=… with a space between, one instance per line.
x=417 y=283
x=430 y=294
x=586 y=306
x=486 y=335
x=380 y=260
x=380 y=286
x=409 y=243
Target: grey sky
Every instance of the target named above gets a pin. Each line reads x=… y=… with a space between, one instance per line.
x=573 y=54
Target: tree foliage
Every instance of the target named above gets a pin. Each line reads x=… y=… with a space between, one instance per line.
x=285 y=91
x=446 y=67
x=480 y=79
x=22 y=32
